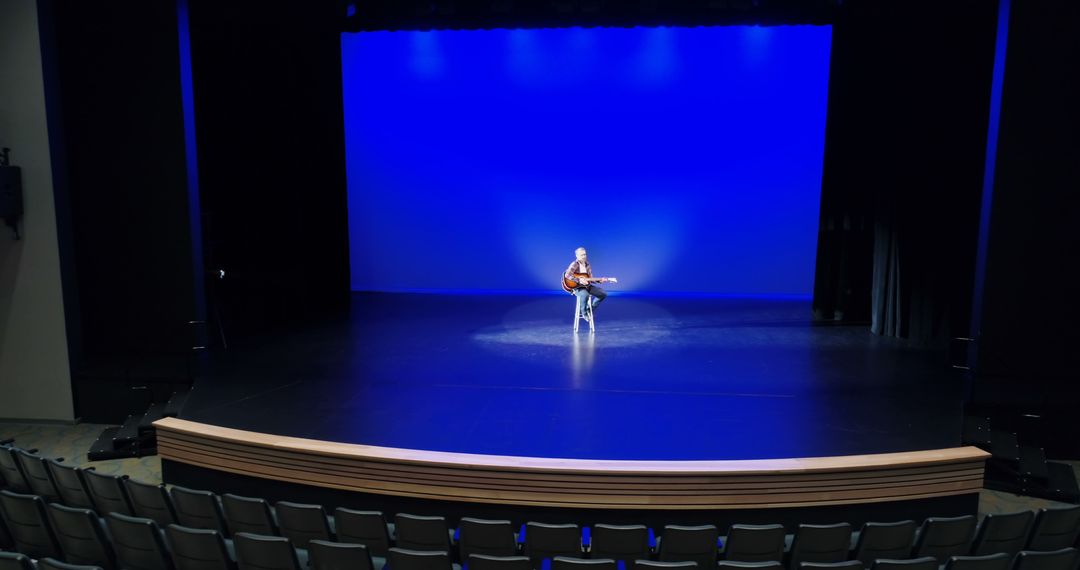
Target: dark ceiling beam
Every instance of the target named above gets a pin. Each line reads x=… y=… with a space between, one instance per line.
x=372 y=15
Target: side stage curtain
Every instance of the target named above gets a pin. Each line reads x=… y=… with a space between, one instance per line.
x=842 y=274
x=887 y=301
x=905 y=151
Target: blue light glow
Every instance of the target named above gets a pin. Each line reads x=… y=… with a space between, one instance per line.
x=685 y=159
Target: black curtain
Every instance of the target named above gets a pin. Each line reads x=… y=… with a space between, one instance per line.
x=117 y=139
x=905 y=144
x=887 y=299
x=1027 y=379
x=270 y=127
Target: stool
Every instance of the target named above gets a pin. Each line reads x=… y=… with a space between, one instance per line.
x=587 y=315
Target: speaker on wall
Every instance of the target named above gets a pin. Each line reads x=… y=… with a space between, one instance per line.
x=11 y=202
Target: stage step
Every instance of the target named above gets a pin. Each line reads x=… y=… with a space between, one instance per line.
x=1021 y=470
x=128 y=432
x=146 y=423
x=103 y=449
x=136 y=437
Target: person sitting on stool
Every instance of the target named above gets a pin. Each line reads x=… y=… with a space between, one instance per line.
x=588 y=291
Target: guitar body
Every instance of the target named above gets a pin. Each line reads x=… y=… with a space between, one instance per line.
x=569 y=285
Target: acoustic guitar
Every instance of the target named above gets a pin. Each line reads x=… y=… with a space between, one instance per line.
x=569 y=285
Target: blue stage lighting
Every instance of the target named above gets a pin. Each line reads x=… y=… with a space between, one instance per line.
x=688 y=160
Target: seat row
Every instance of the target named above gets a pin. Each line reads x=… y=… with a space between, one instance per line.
x=229 y=515
x=51 y=530
x=78 y=537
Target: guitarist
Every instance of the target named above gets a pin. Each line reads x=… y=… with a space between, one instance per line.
x=588 y=287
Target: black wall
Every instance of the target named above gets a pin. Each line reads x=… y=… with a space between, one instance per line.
x=1031 y=313
x=116 y=134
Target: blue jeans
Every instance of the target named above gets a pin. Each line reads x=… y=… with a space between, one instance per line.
x=583 y=294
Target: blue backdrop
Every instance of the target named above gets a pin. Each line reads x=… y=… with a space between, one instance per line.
x=684 y=159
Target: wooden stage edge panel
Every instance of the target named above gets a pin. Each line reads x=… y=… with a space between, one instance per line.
x=576 y=483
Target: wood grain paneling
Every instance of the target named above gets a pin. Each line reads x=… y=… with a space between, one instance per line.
x=577 y=483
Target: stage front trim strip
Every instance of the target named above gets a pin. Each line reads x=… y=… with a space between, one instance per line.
x=576 y=483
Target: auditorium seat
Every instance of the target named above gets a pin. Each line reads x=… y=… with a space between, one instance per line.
x=663 y=565
x=137 y=542
x=326 y=555
x=81 y=536
x=921 y=563
x=54 y=564
x=1002 y=533
x=488 y=562
x=14 y=480
x=1061 y=559
x=999 y=561
x=37 y=475
x=884 y=540
x=198 y=509
x=302 y=523
x=488 y=537
x=198 y=549
x=29 y=525
x=689 y=544
x=738 y=565
x=1055 y=528
x=71 y=485
x=108 y=492
x=543 y=540
x=77 y=535
x=406 y=559
x=5 y=536
x=572 y=563
x=15 y=561
x=261 y=552
x=942 y=537
x=363 y=527
x=421 y=533
x=248 y=514
x=845 y=565
x=151 y=502
x=620 y=542
x=755 y=543
x=820 y=543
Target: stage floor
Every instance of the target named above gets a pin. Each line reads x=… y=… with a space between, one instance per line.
x=662 y=378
